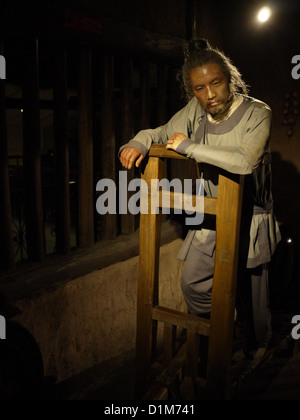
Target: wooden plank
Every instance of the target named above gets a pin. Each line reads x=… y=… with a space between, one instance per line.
x=159 y=150
x=34 y=219
x=193 y=353
x=145 y=96
x=182 y=320
x=147 y=296
x=128 y=220
x=162 y=106
x=86 y=165
x=108 y=141
x=81 y=22
x=174 y=368
x=191 y=19
x=6 y=236
x=169 y=342
x=229 y=208
x=210 y=204
x=60 y=110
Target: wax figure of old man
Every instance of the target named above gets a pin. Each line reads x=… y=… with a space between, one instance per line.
x=222 y=128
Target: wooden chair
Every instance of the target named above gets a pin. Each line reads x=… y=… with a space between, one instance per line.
x=219 y=329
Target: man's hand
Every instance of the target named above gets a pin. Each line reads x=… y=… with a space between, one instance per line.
x=129 y=156
x=175 y=141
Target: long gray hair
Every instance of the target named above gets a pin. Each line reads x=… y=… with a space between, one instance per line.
x=197 y=53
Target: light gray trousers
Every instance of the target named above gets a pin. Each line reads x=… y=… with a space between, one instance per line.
x=252 y=292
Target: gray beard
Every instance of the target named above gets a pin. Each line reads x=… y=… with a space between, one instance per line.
x=222 y=113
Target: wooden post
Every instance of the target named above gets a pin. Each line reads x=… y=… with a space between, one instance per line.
x=6 y=237
x=145 y=96
x=108 y=144
x=169 y=342
x=63 y=223
x=150 y=225
x=229 y=208
x=174 y=95
x=193 y=353
x=128 y=220
x=162 y=95
x=32 y=154
x=191 y=19
x=86 y=203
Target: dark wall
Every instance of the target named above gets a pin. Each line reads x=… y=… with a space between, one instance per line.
x=152 y=33
x=167 y=16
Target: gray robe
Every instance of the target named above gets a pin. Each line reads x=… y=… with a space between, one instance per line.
x=239 y=145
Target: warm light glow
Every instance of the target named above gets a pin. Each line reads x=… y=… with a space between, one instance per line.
x=264 y=14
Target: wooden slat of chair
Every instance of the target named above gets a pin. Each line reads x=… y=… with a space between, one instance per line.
x=210 y=204
x=147 y=297
x=181 y=320
x=160 y=151
x=230 y=196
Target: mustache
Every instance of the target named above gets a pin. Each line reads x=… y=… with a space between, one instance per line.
x=221 y=101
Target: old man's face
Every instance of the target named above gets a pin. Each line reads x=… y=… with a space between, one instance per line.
x=211 y=88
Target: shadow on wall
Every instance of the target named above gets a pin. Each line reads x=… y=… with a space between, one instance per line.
x=286 y=192
x=21 y=364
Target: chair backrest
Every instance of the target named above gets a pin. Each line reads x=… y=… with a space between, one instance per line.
x=227 y=207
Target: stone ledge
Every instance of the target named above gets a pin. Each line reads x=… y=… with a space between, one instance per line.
x=34 y=278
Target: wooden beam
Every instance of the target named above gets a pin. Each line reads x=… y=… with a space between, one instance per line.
x=210 y=204
x=128 y=220
x=191 y=19
x=33 y=202
x=86 y=164
x=230 y=197
x=108 y=143
x=162 y=106
x=145 y=96
x=174 y=368
x=182 y=320
x=60 y=94
x=150 y=226
x=193 y=353
x=169 y=342
x=159 y=150
x=109 y=34
x=6 y=237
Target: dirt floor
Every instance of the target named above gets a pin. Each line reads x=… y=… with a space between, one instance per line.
x=276 y=376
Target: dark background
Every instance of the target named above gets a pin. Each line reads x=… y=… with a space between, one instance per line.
x=152 y=35
x=136 y=50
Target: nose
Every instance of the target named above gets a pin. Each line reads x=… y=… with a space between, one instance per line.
x=210 y=93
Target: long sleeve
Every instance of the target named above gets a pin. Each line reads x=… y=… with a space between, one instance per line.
x=244 y=149
x=183 y=121
x=143 y=140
